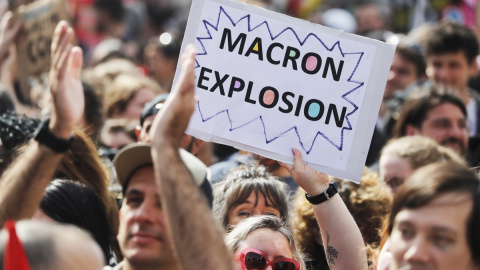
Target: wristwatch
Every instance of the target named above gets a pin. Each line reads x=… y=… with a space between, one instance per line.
x=324 y=196
x=43 y=135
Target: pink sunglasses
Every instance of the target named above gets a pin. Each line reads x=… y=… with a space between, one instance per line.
x=252 y=259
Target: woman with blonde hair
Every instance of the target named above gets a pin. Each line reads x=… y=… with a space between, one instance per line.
x=255 y=238
x=402 y=156
x=127 y=94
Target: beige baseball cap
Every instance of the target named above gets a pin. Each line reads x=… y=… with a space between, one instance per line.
x=137 y=155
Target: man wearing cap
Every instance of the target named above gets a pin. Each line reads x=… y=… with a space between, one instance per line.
x=165 y=222
x=189 y=143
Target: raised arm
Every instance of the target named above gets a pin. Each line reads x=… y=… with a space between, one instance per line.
x=343 y=242
x=23 y=184
x=8 y=33
x=196 y=236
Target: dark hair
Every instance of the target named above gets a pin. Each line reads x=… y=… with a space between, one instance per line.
x=419 y=104
x=93 y=111
x=74 y=203
x=240 y=182
x=434 y=180
x=452 y=37
x=171 y=49
x=16 y=129
x=6 y=102
x=114 y=8
x=412 y=53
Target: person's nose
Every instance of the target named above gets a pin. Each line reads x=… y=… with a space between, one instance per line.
x=457 y=131
x=417 y=252
x=391 y=75
x=257 y=212
x=146 y=212
x=441 y=75
x=148 y=137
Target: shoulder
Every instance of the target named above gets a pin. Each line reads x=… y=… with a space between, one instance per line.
x=474 y=94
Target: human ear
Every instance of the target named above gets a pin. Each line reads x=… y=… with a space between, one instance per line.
x=410 y=130
x=138 y=129
x=473 y=68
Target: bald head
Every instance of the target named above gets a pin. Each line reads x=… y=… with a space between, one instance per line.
x=55 y=246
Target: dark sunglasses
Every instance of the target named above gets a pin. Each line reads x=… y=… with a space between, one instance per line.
x=252 y=259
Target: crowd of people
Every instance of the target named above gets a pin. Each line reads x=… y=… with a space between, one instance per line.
x=97 y=172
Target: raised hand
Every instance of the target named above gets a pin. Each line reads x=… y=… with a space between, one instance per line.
x=311 y=181
x=8 y=33
x=66 y=89
x=172 y=121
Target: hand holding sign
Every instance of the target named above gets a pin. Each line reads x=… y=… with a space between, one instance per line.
x=267 y=83
x=65 y=84
x=311 y=181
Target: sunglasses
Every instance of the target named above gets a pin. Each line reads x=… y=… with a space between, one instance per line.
x=252 y=259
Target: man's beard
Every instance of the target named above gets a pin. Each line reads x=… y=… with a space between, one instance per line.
x=453 y=140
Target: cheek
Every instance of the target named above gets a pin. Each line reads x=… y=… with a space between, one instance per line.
x=234 y=220
x=125 y=217
x=430 y=71
x=397 y=248
x=408 y=79
x=435 y=134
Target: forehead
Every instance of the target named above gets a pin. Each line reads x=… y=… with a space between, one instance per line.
x=458 y=56
x=144 y=94
x=143 y=179
x=273 y=244
x=253 y=199
x=391 y=165
x=449 y=211
x=399 y=60
x=445 y=110
x=148 y=120
x=254 y=192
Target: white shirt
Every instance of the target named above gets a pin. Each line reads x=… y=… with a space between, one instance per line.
x=472 y=117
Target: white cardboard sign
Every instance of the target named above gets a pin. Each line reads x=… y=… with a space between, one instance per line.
x=267 y=82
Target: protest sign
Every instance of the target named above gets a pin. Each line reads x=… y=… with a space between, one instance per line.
x=39 y=20
x=267 y=82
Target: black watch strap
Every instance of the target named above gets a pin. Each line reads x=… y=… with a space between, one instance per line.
x=324 y=196
x=45 y=137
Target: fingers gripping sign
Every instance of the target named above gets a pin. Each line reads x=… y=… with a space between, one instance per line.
x=311 y=181
x=65 y=84
x=172 y=121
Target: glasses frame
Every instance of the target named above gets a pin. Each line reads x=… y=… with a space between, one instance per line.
x=244 y=252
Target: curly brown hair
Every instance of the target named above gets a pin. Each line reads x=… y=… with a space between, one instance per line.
x=369 y=203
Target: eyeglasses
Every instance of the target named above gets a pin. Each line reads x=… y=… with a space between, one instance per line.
x=252 y=259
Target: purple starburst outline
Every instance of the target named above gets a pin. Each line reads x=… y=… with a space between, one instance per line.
x=273 y=37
